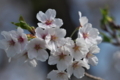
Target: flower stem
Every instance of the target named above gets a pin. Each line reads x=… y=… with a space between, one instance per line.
x=93 y=77
x=74 y=32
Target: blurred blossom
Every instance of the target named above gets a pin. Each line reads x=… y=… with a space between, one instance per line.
x=116 y=58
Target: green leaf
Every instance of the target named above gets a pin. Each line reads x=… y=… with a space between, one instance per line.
x=104 y=12
x=21 y=18
x=106 y=38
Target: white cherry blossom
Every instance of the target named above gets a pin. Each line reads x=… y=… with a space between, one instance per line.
x=54 y=37
x=48 y=19
x=41 y=33
x=36 y=49
x=79 y=49
x=76 y=68
x=89 y=34
x=9 y=44
x=61 y=58
x=22 y=58
x=66 y=43
x=21 y=37
x=82 y=19
x=57 y=75
x=90 y=57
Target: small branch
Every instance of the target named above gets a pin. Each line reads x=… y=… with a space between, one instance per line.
x=74 y=32
x=93 y=77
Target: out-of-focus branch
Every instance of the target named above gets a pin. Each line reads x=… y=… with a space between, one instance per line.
x=93 y=77
x=111 y=32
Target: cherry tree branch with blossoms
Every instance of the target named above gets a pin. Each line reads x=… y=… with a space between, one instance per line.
x=71 y=57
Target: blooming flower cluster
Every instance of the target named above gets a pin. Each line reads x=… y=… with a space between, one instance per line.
x=69 y=56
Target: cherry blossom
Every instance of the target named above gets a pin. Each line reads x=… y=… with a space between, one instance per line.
x=89 y=34
x=79 y=49
x=41 y=33
x=82 y=19
x=76 y=68
x=92 y=59
x=21 y=37
x=36 y=49
x=48 y=19
x=57 y=75
x=69 y=56
x=61 y=58
x=9 y=44
x=54 y=37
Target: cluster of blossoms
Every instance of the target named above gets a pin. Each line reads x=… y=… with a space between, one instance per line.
x=71 y=57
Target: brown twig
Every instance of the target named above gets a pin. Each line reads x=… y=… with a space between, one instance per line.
x=93 y=77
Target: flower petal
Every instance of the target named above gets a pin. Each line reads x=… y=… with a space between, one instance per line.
x=52 y=60
x=93 y=60
x=42 y=55
x=79 y=72
x=83 y=20
x=58 y=22
x=50 y=13
x=41 y=16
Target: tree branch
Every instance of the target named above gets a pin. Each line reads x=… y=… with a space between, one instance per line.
x=93 y=77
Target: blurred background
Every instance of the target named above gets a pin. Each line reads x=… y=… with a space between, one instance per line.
x=10 y=10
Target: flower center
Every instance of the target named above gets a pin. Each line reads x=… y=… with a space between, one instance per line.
x=37 y=47
x=11 y=43
x=53 y=37
x=88 y=55
x=75 y=65
x=85 y=35
x=76 y=48
x=48 y=22
x=43 y=36
x=20 y=39
x=61 y=74
x=62 y=56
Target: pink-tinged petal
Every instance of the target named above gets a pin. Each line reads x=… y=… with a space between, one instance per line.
x=87 y=27
x=52 y=60
x=57 y=75
x=61 y=65
x=10 y=52
x=99 y=39
x=32 y=63
x=83 y=21
x=78 y=56
x=94 y=49
x=13 y=50
x=68 y=59
x=52 y=75
x=39 y=32
x=60 y=32
x=20 y=30
x=52 y=46
x=93 y=60
x=6 y=35
x=84 y=63
x=93 y=33
x=42 y=25
x=4 y=44
x=69 y=71
x=79 y=72
x=32 y=54
x=50 y=13
x=58 y=22
x=41 y=16
x=80 y=14
x=42 y=55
